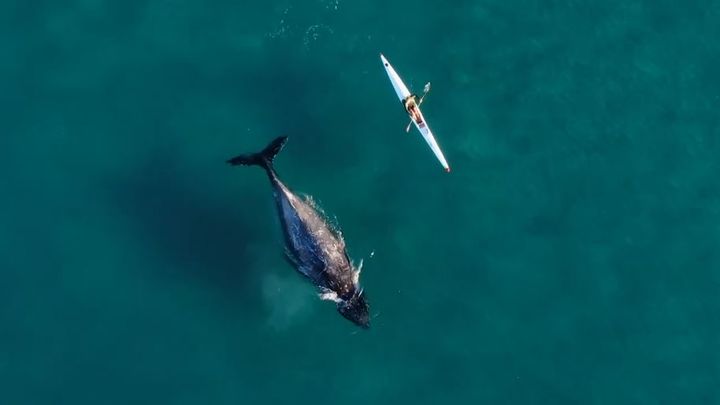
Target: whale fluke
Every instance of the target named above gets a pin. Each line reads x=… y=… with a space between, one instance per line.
x=263 y=158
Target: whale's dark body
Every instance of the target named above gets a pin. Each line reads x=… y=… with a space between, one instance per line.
x=314 y=247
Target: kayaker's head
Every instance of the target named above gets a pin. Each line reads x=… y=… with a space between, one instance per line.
x=410 y=103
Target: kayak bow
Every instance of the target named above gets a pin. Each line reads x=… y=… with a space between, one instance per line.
x=402 y=92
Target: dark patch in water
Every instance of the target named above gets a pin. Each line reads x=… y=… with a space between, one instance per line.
x=203 y=238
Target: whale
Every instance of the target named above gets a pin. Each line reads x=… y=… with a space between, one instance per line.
x=313 y=245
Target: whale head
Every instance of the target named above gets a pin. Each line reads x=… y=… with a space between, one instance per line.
x=355 y=310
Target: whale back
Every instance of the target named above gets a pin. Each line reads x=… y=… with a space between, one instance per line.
x=313 y=244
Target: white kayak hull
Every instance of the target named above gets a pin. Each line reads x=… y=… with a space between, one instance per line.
x=402 y=92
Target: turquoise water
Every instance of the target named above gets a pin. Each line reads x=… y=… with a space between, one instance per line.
x=571 y=257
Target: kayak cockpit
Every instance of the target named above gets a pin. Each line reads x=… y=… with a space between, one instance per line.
x=411 y=107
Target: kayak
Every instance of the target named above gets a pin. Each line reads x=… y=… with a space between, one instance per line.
x=403 y=93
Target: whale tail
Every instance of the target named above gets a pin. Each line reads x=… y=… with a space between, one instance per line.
x=263 y=158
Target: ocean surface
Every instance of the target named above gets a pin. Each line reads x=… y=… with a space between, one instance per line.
x=571 y=257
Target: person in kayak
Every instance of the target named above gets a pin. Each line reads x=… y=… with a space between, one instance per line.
x=411 y=107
